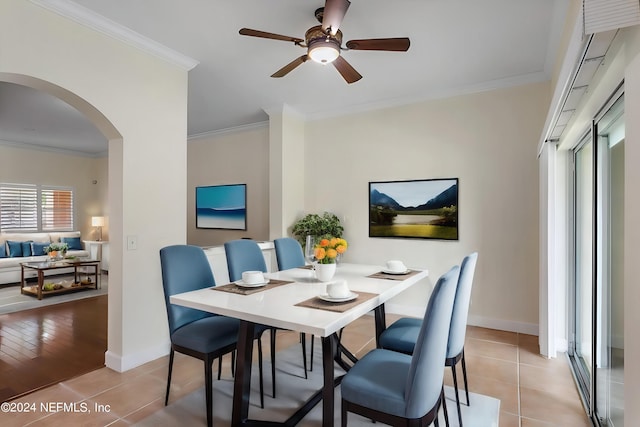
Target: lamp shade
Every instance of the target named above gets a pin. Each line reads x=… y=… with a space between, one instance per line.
x=97 y=221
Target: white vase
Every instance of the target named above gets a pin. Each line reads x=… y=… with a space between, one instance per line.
x=325 y=272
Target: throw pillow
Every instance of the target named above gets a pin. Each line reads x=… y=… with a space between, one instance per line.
x=3 y=250
x=38 y=248
x=26 y=248
x=72 y=242
x=15 y=249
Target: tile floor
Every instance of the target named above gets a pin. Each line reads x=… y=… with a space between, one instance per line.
x=534 y=391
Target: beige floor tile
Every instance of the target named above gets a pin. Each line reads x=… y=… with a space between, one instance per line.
x=555 y=381
x=497 y=350
x=131 y=395
x=95 y=382
x=506 y=392
x=551 y=408
x=509 y=420
x=528 y=422
x=496 y=369
x=492 y=335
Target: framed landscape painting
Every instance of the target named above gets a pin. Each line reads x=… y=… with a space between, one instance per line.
x=419 y=209
x=222 y=206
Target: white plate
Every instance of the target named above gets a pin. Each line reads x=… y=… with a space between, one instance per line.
x=396 y=272
x=326 y=297
x=250 y=285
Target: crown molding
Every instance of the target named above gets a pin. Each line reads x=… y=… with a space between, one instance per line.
x=103 y=25
x=220 y=132
x=424 y=97
x=33 y=146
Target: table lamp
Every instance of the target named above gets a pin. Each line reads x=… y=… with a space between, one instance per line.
x=98 y=223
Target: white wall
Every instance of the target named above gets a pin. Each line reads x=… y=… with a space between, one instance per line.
x=139 y=102
x=239 y=157
x=487 y=140
x=27 y=166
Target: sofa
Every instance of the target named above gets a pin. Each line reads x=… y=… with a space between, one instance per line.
x=16 y=248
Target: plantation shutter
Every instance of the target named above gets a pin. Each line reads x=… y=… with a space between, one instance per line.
x=57 y=209
x=18 y=207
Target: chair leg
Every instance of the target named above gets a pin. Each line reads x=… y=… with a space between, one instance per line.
x=443 y=403
x=208 y=387
x=344 y=416
x=303 y=341
x=233 y=363
x=464 y=376
x=166 y=397
x=311 y=355
x=455 y=387
x=260 y=372
x=219 y=367
x=273 y=362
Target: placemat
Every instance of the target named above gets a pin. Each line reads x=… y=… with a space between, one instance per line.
x=383 y=275
x=235 y=289
x=339 y=307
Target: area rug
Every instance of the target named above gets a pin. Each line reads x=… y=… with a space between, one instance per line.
x=11 y=300
x=292 y=390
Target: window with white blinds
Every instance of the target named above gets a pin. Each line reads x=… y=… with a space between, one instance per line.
x=18 y=208
x=57 y=209
x=35 y=208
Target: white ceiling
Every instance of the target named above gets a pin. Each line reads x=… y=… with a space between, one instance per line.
x=457 y=46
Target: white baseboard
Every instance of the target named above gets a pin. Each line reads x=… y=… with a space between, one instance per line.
x=504 y=325
x=484 y=322
x=121 y=364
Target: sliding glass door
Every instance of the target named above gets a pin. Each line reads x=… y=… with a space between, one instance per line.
x=596 y=347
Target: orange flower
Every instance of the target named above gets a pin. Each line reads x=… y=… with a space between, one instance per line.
x=328 y=249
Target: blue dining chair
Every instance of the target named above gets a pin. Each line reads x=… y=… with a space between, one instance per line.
x=246 y=255
x=402 y=335
x=289 y=255
x=400 y=389
x=196 y=333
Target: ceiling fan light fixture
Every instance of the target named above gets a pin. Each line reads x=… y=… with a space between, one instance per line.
x=323 y=51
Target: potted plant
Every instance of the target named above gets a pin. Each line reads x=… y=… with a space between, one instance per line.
x=318 y=226
x=57 y=250
x=327 y=251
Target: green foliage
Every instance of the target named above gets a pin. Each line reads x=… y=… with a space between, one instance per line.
x=327 y=225
x=382 y=215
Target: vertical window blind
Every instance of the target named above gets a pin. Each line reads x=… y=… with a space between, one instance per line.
x=35 y=208
x=605 y=15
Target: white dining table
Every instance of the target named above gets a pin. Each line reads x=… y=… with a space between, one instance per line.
x=277 y=307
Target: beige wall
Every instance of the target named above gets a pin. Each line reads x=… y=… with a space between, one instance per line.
x=488 y=141
x=139 y=102
x=26 y=166
x=240 y=157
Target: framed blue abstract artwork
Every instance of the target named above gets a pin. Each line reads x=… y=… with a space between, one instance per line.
x=222 y=206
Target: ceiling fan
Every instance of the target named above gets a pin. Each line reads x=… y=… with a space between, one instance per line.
x=324 y=42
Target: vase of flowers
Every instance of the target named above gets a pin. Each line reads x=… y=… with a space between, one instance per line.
x=326 y=254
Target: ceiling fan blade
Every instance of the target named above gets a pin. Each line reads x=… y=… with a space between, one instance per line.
x=398 y=44
x=265 y=35
x=290 y=66
x=334 y=11
x=346 y=70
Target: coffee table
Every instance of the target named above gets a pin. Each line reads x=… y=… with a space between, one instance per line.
x=77 y=285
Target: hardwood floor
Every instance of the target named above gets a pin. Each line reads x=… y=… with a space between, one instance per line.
x=47 y=345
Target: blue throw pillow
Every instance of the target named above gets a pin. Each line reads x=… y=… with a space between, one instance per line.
x=15 y=249
x=38 y=248
x=3 y=250
x=26 y=248
x=72 y=242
